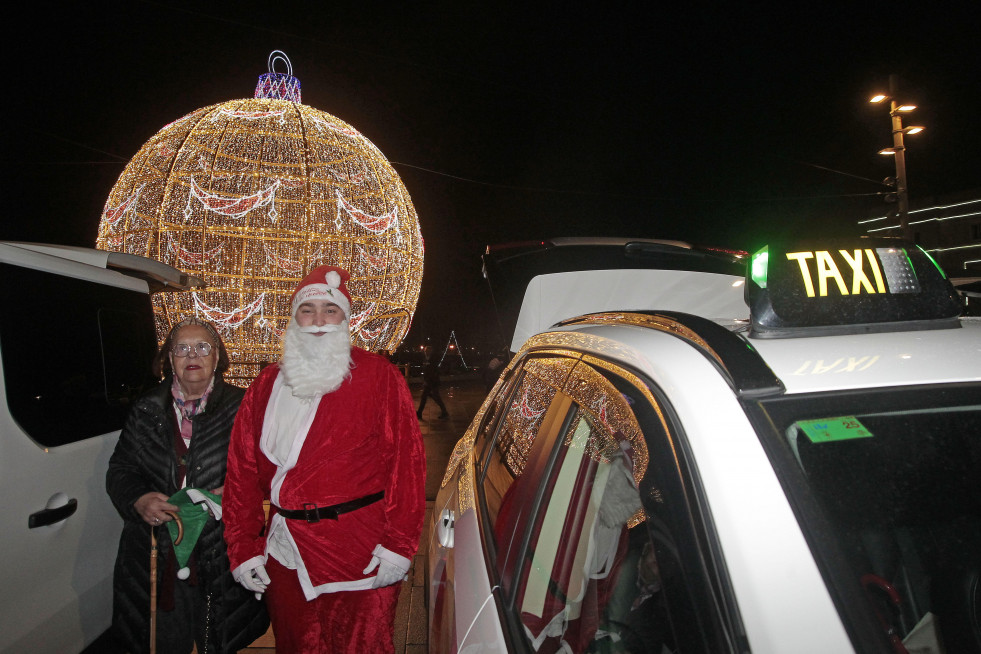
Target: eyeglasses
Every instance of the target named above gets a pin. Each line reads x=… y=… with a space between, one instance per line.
x=202 y=349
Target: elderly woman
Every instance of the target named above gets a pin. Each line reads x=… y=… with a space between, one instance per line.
x=177 y=436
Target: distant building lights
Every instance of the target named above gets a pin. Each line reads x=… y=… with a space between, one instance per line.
x=957 y=247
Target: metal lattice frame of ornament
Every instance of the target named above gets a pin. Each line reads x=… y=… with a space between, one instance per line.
x=250 y=195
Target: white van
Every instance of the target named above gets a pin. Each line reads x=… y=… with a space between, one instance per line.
x=76 y=339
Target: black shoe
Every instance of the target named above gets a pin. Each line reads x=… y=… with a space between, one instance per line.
x=419 y=415
x=444 y=416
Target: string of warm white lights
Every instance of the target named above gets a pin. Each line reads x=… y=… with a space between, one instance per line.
x=251 y=194
x=453 y=344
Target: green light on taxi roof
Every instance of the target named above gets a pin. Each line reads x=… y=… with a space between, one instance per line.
x=758 y=266
x=934 y=262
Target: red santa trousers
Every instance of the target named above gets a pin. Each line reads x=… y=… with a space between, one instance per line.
x=352 y=622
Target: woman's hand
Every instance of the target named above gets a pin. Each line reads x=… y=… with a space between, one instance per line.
x=153 y=508
x=217 y=491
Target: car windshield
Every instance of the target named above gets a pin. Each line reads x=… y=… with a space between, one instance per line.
x=888 y=493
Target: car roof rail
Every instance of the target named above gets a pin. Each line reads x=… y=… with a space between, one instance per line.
x=745 y=370
x=158 y=276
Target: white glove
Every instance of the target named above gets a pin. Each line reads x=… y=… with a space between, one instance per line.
x=388 y=573
x=254 y=579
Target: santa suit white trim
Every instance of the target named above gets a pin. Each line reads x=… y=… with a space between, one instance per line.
x=361 y=438
x=299 y=413
x=288 y=418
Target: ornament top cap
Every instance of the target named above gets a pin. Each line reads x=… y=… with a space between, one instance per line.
x=278 y=86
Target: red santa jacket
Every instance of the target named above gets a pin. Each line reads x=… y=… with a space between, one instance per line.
x=364 y=438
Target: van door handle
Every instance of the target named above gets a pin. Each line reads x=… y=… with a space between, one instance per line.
x=46 y=517
x=444 y=528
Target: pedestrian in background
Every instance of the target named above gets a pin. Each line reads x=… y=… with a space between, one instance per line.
x=430 y=386
x=176 y=436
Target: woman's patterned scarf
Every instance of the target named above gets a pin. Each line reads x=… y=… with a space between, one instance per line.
x=188 y=408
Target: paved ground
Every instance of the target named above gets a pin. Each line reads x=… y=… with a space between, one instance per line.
x=462 y=398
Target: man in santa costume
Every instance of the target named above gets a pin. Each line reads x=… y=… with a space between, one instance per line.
x=330 y=437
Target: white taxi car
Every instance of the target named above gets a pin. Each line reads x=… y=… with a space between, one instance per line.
x=700 y=452
x=76 y=340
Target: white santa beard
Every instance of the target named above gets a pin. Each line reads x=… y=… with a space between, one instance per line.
x=315 y=365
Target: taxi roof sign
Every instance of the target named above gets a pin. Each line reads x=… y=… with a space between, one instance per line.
x=847 y=286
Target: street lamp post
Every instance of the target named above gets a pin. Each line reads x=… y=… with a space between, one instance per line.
x=898 y=149
x=901 y=193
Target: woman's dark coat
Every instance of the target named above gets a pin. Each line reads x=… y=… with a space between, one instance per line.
x=145 y=461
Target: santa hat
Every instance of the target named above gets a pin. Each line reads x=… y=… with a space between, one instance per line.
x=324 y=283
x=194 y=506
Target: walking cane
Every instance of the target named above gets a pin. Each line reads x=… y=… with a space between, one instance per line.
x=153 y=576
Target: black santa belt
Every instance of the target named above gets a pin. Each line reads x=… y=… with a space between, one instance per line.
x=313 y=513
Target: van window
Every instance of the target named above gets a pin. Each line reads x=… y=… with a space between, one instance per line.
x=75 y=353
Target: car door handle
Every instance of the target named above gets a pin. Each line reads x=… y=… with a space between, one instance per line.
x=444 y=528
x=46 y=517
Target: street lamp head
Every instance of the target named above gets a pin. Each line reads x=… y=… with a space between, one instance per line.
x=887 y=151
x=879 y=97
x=906 y=107
x=913 y=129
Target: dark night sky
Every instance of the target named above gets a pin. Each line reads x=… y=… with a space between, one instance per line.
x=711 y=125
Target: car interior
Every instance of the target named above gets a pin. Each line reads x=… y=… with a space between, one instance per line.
x=591 y=581
x=905 y=507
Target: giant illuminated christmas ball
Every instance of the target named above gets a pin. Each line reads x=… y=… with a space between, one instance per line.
x=251 y=194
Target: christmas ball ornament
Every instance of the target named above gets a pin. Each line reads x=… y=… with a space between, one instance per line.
x=250 y=195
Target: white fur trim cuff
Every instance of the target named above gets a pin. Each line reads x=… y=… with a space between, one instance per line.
x=392 y=557
x=248 y=567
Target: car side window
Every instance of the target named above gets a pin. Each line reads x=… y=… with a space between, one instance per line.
x=578 y=540
x=519 y=428
x=585 y=565
x=577 y=577
x=692 y=587
x=71 y=374
x=496 y=407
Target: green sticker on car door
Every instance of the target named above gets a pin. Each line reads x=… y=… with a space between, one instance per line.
x=827 y=430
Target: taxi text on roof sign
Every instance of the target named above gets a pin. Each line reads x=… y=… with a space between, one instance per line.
x=826 y=266
x=826 y=269
x=860 y=285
